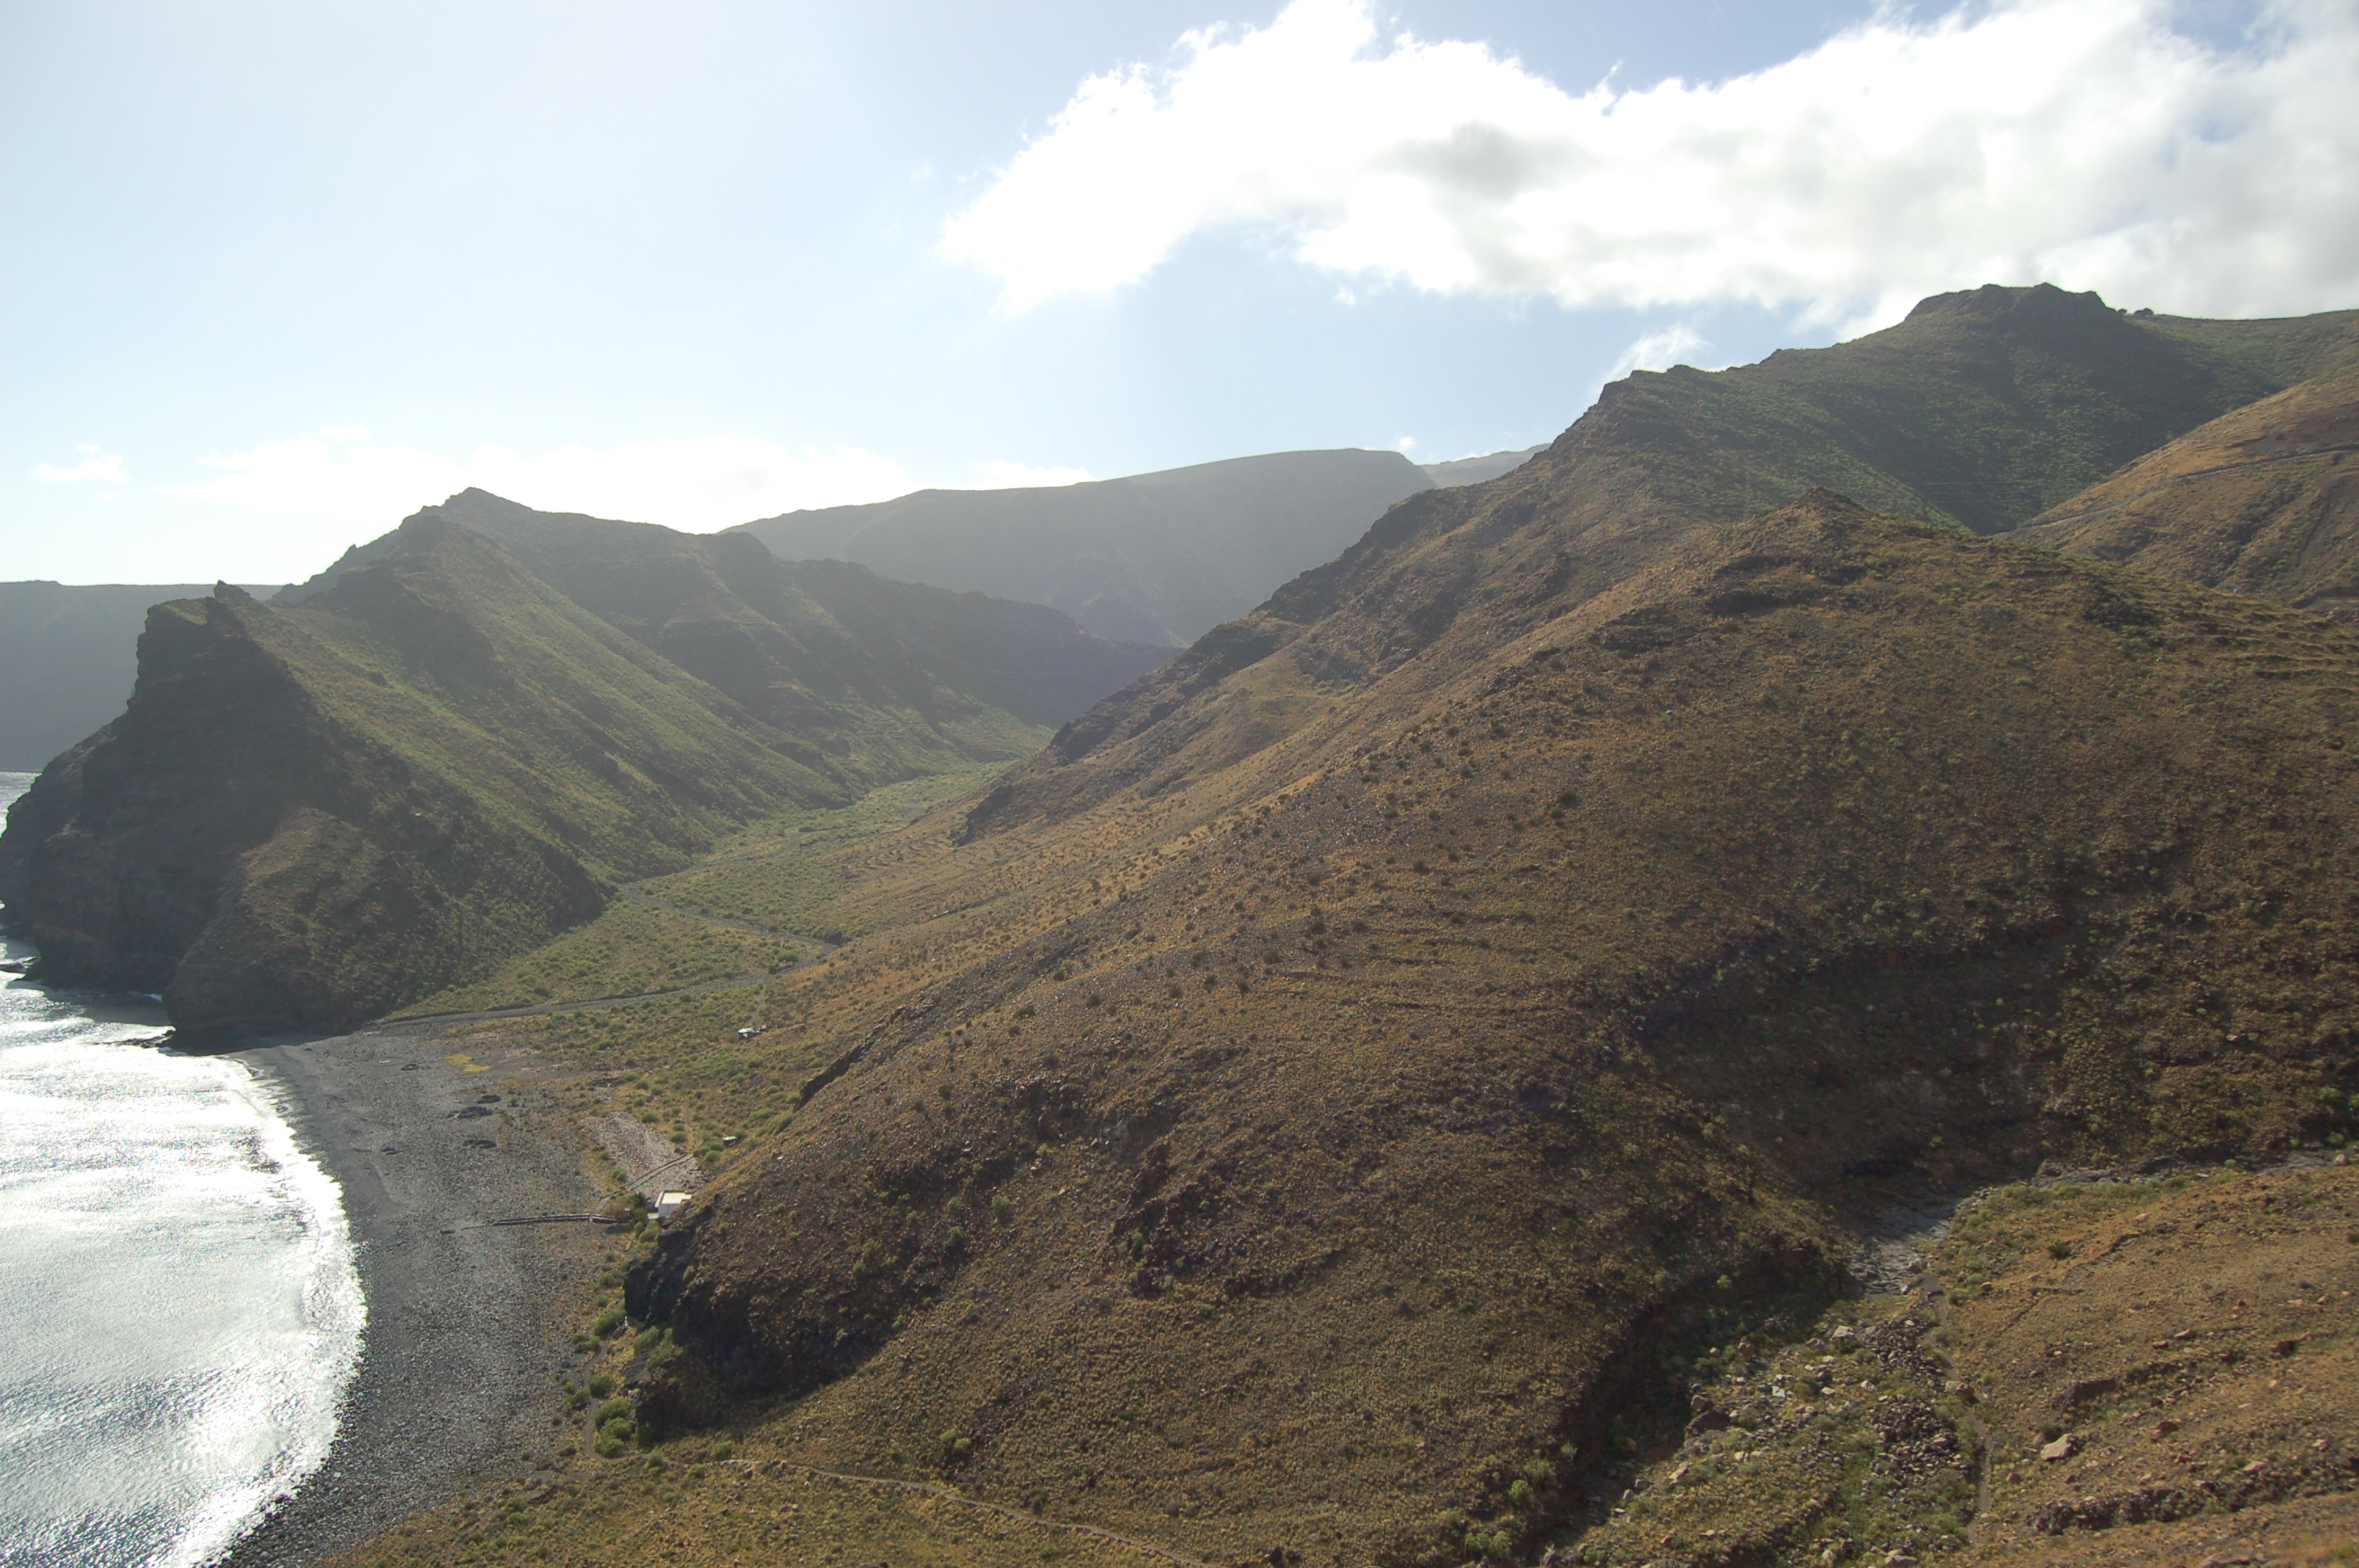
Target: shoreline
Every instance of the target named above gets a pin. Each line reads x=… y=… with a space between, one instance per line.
x=468 y=1325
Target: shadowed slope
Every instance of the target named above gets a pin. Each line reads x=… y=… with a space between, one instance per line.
x=67 y=656
x=1337 y=1153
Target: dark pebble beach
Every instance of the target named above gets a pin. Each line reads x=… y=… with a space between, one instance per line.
x=470 y=1323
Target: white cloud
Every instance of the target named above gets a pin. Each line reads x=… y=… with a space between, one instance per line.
x=1675 y=344
x=2083 y=142
x=1003 y=475
x=341 y=475
x=96 y=466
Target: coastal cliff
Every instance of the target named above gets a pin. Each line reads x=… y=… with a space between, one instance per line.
x=311 y=812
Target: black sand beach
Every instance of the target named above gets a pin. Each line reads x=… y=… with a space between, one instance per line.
x=468 y=1326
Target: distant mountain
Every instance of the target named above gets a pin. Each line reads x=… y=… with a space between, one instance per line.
x=1475 y=470
x=2264 y=500
x=1156 y=558
x=67 y=656
x=432 y=757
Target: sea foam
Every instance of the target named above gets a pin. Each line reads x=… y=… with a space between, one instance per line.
x=178 y=1297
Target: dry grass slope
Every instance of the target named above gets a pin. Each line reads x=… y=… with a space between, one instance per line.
x=1395 y=1096
x=2265 y=501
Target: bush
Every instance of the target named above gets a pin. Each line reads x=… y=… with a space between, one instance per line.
x=601 y=1386
x=1000 y=1205
x=607 y=1321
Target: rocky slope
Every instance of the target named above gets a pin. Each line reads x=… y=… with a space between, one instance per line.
x=433 y=758
x=1325 y=1153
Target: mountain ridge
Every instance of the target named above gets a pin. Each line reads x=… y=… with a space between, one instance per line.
x=1661 y=452
x=431 y=759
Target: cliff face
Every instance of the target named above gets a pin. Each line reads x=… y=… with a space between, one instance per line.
x=310 y=812
x=67 y=662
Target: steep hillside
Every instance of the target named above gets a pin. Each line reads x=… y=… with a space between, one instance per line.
x=1156 y=558
x=818 y=649
x=67 y=656
x=1344 y=1150
x=1979 y=410
x=434 y=758
x=2263 y=500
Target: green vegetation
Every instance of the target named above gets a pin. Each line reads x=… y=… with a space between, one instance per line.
x=628 y=950
x=788 y=873
x=462 y=755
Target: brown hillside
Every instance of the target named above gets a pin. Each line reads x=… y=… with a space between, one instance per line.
x=1982 y=409
x=1335 y=1132
x=2264 y=500
x=2104 y=1368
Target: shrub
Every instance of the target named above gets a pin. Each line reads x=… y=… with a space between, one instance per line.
x=601 y=1386
x=607 y=1321
x=1000 y=1205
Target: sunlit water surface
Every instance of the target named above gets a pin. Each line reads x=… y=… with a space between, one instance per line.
x=180 y=1313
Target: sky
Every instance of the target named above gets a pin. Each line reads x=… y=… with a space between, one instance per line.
x=274 y=276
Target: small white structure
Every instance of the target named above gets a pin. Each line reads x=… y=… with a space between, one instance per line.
x=668 y=1204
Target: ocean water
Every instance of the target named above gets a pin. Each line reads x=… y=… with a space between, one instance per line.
x=180 y=1309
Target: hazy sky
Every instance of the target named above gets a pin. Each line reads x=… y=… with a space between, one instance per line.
x=274 y=276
